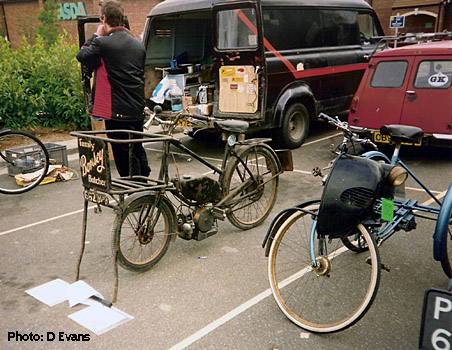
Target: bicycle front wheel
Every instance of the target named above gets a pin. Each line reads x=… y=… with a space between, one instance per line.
x=142 y=233
x=336 y=292
x=21 y=153
x=256 y=183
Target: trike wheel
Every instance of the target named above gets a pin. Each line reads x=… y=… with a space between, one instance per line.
x=355 y=242
x=139 y=246
x=332 y=294
x=252 y=204
x=446 y=263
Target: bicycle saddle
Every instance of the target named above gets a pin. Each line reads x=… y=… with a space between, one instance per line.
x=403 y=133
x=235 y=126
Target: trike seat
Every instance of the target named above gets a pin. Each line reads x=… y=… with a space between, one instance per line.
x=235 y=126
x=403 y=133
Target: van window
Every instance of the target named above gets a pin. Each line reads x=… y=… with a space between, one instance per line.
x=367 y=28
x=434 y=75
x=236 y=29
x=340 y=27
x=288 y=29
x=389 y=74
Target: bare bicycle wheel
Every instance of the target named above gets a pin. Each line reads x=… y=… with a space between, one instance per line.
x=21 y=153
x=328 y=297
x=252 y=205
x=142 y=232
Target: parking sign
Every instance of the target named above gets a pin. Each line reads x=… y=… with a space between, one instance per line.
x=397 y=22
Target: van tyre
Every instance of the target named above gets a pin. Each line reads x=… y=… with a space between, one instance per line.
x=295 y=127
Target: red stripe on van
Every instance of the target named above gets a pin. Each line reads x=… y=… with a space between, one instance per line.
x=303 y=73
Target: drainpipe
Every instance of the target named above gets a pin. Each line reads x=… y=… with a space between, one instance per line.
x=4 y=21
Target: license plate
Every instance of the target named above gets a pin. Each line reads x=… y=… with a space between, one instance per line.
x=95 y=197
x=436 y=325
x=185 y=123
x=385 y=139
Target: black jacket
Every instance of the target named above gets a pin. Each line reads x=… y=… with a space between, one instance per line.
x=118 y=60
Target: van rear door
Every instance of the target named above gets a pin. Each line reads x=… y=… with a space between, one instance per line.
x=428 y=100
x=238 y=54
x=382 y=96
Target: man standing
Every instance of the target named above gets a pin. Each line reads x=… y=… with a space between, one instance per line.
x=118 y=91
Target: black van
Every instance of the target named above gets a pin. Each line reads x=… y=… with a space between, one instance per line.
x=273 y=63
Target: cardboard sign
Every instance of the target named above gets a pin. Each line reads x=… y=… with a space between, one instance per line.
x=94 y=163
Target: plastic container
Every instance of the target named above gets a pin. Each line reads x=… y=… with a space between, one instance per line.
x=175 y=95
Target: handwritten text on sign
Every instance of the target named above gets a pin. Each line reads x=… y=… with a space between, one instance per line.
x=94 y=166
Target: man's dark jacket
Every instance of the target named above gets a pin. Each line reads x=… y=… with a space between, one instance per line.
x=118 y=61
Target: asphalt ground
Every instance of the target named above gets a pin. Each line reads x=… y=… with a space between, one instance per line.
x=212 y=294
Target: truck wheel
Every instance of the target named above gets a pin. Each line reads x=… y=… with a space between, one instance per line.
x=295 y=127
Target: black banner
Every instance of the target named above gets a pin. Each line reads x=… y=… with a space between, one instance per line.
x=94 y=164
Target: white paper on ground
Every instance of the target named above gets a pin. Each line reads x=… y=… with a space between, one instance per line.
x=50 y=293
x=100 y=319
x=79 y=292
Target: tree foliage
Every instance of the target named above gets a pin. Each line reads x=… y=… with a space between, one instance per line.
x=48 y=28
x=40 y=85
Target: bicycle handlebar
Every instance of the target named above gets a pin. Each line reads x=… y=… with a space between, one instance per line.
x=350 y=132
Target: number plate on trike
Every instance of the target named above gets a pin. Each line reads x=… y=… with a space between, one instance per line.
x=436 y=326
x=96 y=197
x=378 y=137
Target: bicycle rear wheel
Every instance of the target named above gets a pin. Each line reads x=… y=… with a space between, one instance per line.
x=142 y=232
x=254 y=202
x=336 y=293
x=21 y=153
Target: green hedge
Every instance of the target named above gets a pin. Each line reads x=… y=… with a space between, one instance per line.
x=41 y=86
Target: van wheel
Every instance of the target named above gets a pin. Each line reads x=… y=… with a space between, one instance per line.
x=294 y=128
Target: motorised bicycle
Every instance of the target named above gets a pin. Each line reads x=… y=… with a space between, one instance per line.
x=324 y=265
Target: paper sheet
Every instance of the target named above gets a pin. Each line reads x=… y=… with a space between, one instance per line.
x=50 y=293
x=100 y=319
x=79 y=292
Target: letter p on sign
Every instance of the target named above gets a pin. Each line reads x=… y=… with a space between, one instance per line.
x=442 y=305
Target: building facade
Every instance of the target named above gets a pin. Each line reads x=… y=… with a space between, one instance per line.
x=421 y=16
x=19 y=18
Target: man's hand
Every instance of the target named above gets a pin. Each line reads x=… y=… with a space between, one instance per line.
x=101 y=30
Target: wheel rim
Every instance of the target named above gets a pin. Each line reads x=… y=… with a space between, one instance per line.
x=258 y=198
x=296 y=126
x=320 y=302
x=21 y=154
x=137 y=245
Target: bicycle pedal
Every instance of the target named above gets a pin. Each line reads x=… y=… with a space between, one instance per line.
x=382 y=266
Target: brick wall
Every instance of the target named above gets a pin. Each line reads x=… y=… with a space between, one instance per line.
x=21 y=17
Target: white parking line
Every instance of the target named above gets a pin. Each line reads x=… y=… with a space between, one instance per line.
x=43 y=221
x=238 y=310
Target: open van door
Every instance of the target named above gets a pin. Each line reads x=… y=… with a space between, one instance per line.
x=239 y=57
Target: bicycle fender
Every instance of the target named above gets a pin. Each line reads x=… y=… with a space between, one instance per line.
x=441 y=228
x=170 y=205
x=277 y=222
x=371 y=154
x=244 y=148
